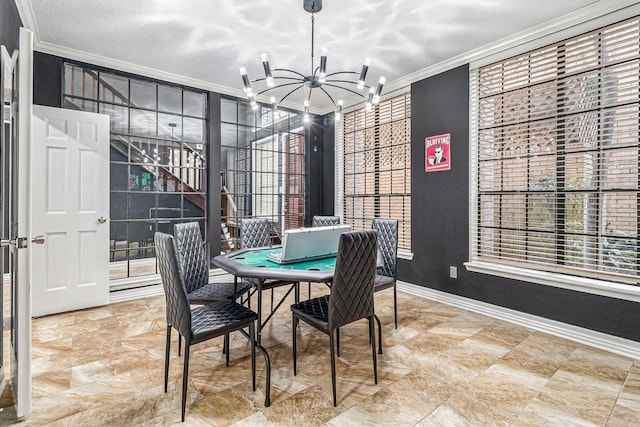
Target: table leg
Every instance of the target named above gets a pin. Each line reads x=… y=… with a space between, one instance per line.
x=259 y=326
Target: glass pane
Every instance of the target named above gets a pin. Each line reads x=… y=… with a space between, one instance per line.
x=139 y=205
x=228 y=134
x=228 y=110
x=193 y=130
x=143 y=122
x=195 y=104
x=118 y=206
x=169 y=126
x=114 y=89
x=143 y=94
x=170 y=99
x=118 y=177
x=118 y=117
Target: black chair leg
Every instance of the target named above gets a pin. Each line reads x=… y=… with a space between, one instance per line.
x=185 y=377
x=309 y=290
x=373 y=350
x=375 y=316
x=338 y=340
x=252 y=337
x=179 y=344
x=395 y=306
x=226 y=345
x=294 y=322
x=333 y=368
x=166 y=358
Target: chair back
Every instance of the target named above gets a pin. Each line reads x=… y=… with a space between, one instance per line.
x=177 y=305
x=192 y=257
x=387 y=230
x=351 y=295
x=254 y=233
x=322 y=220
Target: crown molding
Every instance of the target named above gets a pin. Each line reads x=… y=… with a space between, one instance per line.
x=582 y=20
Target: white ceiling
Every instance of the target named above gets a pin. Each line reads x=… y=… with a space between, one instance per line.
x=204 y=42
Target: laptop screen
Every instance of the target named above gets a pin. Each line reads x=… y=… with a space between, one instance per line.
x=314 y=242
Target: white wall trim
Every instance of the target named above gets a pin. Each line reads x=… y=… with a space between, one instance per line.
x=558 y=280
x=617 y=345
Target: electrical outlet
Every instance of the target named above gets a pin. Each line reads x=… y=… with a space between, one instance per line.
x=453 y=272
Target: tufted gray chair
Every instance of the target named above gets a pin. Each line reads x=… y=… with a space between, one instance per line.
x=192 y=258
x=254 y=233
x=351 y=296
x=201 y=323
x=387 y=231
x=322 y=220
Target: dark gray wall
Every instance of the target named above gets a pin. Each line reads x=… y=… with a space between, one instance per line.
x=47 y=80
x=319 y=166
x=10 y=24
x=440 y=224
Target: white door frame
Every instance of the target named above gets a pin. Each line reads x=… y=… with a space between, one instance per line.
x=21 y=353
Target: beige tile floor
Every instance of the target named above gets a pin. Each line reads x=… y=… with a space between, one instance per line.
x=443 y=366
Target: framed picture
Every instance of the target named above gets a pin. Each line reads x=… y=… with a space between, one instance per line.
x=437 y=153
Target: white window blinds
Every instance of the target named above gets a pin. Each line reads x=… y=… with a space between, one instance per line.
x=556 y=165
x=376 y=164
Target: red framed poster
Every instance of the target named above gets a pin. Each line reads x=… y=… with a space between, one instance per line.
x=437 y=153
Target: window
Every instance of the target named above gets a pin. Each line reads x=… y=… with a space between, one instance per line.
x=158 y=159
x=556 y=173
x=262 y=167
x=374 y=157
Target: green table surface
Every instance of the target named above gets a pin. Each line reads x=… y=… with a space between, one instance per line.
x=258 y=258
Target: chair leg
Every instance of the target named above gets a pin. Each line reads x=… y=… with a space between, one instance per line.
x=375 y=316
x=294 y=321
x=338 y=340
x=333 y=368
x=185 y=377
x=272 y=300
x=395 y=306
x=179 y=344
x=166 y=358
x=226 y=345
x=252 y=337
x=309 y=290
x=373 y=350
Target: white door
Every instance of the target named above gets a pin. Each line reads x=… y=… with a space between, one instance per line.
x=19 y=211
x=70 y=207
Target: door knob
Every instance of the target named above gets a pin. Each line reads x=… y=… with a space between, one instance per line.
x=102 y=220
x=38 y=240
x=7 y=242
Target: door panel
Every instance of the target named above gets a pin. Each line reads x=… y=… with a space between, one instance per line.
x=69 y=199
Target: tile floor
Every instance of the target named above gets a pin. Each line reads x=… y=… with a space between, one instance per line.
x=443 y=366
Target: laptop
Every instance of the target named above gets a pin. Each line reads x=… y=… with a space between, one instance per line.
x=303 y=244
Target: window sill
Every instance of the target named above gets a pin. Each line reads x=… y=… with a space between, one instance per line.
x=581 y=284
x=405 y=254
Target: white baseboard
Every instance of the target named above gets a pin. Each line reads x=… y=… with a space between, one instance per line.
x=617 y=345
x=135 y=293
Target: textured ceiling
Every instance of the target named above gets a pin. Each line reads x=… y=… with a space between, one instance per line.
x=206 y=41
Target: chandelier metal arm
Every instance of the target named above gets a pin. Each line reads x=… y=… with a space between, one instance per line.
x=294 y=90
x=290 y=71
x=297 y=79
x=327 y=93
x=343 y=72
x=279 y=86
x=343 y=88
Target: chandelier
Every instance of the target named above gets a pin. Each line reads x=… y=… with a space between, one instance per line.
x=318 y=78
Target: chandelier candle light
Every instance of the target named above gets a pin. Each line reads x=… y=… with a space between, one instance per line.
x=318 y=79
